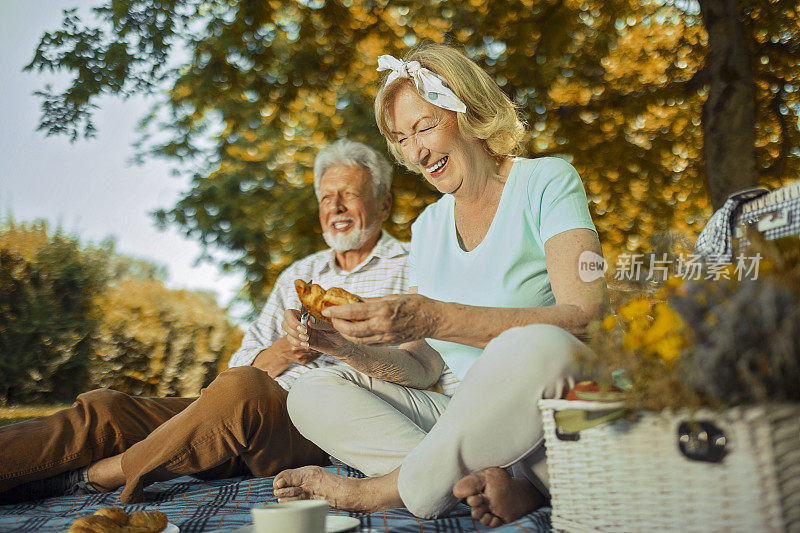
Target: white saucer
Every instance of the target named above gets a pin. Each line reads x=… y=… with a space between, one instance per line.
x=333 y=524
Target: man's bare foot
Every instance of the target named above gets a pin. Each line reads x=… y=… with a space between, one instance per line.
x=497 y=498
x=351 y=494
x=106 y=474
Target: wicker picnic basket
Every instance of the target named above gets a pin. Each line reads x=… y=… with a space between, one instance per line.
x=637 y=475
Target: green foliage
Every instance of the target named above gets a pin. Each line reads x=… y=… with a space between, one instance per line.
x=78 y=317
x=616 y=86
x=46 y=315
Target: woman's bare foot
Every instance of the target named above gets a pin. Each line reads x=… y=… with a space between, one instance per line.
x=497 y=498
x=351 y=494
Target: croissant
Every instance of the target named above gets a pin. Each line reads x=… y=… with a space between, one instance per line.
x=316 y=299
x=116 y=520
x=96 y=524
x=116 y=514
x=153 y=521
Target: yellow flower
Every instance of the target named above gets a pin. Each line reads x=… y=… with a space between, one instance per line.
x=635 y=308
x=669 y=348
x=659 y=330
x=609 y=322
x=665 y=337
x=632 y=341
x=634 y=337
x=661 y=335
x=666 y=319
x=640 y=325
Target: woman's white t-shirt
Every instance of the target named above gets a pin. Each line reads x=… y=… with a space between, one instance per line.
x=541 y=198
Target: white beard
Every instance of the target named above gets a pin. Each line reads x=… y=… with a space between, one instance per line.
x=352 y=240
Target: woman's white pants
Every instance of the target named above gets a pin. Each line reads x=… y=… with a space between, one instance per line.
x=491 y=420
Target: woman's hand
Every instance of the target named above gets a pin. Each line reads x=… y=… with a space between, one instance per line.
x=389 y=320
x=319 y=336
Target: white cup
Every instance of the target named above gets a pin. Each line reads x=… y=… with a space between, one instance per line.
x=301 y=516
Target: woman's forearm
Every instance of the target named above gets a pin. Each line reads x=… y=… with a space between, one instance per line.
x=395 y=365
x=476 y=326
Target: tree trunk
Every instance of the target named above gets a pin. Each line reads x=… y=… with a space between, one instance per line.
x=729 y=113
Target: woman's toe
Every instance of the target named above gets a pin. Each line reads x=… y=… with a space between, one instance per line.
x=479 y=511
x=476 y=500
x=468 y=486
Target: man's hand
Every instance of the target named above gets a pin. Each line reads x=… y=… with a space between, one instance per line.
x=280 y=356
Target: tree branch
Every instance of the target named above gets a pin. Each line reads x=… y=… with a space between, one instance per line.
x=547 y=13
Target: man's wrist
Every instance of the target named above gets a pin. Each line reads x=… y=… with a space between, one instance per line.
x=271 y=363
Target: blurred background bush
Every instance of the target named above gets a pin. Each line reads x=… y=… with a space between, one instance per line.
x=75 y=317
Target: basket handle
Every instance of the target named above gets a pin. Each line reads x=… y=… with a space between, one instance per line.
x=700 y=440
x=570 y=422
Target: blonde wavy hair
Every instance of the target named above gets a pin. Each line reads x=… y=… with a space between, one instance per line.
x=491 y=116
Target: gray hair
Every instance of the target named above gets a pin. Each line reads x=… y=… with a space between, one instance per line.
x=352 y=153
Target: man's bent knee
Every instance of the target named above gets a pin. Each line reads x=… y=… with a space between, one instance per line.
x=103 y=401
x=242 y=384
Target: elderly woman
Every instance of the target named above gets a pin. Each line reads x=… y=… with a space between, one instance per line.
x=499 y=299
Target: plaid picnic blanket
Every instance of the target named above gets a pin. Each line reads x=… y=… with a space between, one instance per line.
x=224 y=505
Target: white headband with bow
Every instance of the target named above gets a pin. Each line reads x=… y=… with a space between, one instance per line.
x=429 y=85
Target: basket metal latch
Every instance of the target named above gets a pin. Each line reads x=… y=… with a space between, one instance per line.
x=773 y=219
x=702 y=441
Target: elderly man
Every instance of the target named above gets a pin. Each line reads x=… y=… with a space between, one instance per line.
x=239 y=424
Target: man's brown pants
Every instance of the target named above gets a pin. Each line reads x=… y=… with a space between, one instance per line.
x=238 y=425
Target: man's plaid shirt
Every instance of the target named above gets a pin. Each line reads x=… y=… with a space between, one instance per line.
x=384 y=272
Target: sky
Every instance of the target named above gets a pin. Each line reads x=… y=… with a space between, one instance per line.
x=89 y=188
